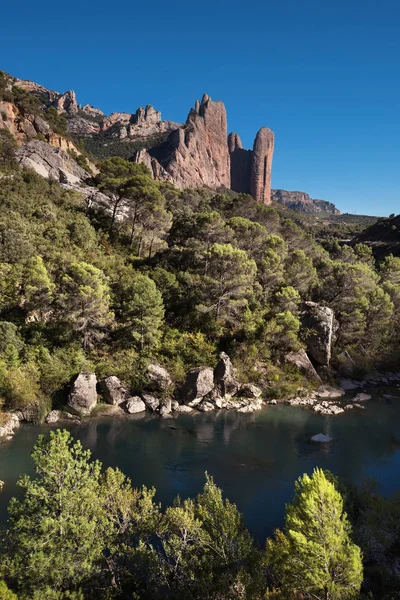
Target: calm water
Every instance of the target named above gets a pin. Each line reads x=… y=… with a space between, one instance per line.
x=254 y=458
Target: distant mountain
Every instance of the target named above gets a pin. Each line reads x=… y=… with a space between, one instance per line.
x=302 y=202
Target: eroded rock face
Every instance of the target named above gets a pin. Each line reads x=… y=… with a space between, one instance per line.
x=157 y=171
x=261 y=168
x=196 y=154
x=50 y=162
x=319 y=321
x=113 y=391
x=83 y=394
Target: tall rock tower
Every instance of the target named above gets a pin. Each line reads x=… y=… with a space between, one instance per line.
x=251 y=169
x=263 y=150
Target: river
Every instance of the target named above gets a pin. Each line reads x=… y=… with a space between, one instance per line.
x=254 y=458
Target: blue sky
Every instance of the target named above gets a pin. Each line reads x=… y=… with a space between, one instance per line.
x=323 y=75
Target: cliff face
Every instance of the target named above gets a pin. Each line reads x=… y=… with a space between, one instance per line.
x=196 y=154
x=302 y=202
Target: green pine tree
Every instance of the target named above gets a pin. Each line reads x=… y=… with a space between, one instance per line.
x=314 y=557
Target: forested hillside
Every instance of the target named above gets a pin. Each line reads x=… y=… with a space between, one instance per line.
x=171 y=275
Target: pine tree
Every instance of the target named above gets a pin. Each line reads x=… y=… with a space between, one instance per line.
x=314 y=557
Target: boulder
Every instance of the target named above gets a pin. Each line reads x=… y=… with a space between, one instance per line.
x=199 y=383
x=159 y=378
x=83 y=396
x=9 y=422
x=328 y=391
x=165 y=407
x=113 y=391
x=205 y=406
x=326 y=408
x=183 y=408
x=224 y=376
x=53 y=416
x=349 y=384
x=321 y=438
x=361 y=397
x=248 y=390
x=318 y=321
x=135 y=405
x=302 y=362
x=152 y=402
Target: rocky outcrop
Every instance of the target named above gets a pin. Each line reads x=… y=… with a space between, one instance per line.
x=83 y=395
x=8 y=424
x=302 y=202
x=196 y=154
x=318 y=323
x=90 y=110
x=50 y=162
x=261 y=168
x=66 y=102
x=113 y=391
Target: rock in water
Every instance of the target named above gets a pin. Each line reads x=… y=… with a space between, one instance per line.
x=321 y=438
x=135 y=405
x=361 y=397
x=113 y=391
x=83 y=395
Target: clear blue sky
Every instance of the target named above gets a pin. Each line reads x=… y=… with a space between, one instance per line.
x=324 y=75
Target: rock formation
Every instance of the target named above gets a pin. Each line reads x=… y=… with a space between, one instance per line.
x=302 y=202
x=66 y=102
x=260 y=180
x=251 y=169
x=196 y=154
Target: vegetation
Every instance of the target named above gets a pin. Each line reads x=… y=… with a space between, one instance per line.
x=169 y=275
x=81 y=532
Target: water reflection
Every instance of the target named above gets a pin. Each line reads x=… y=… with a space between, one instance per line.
x=254 y=458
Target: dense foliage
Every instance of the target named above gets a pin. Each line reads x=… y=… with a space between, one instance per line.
x=173 y=275
x=79 y=532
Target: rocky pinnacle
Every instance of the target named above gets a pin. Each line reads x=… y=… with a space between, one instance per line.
x=263 y=150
